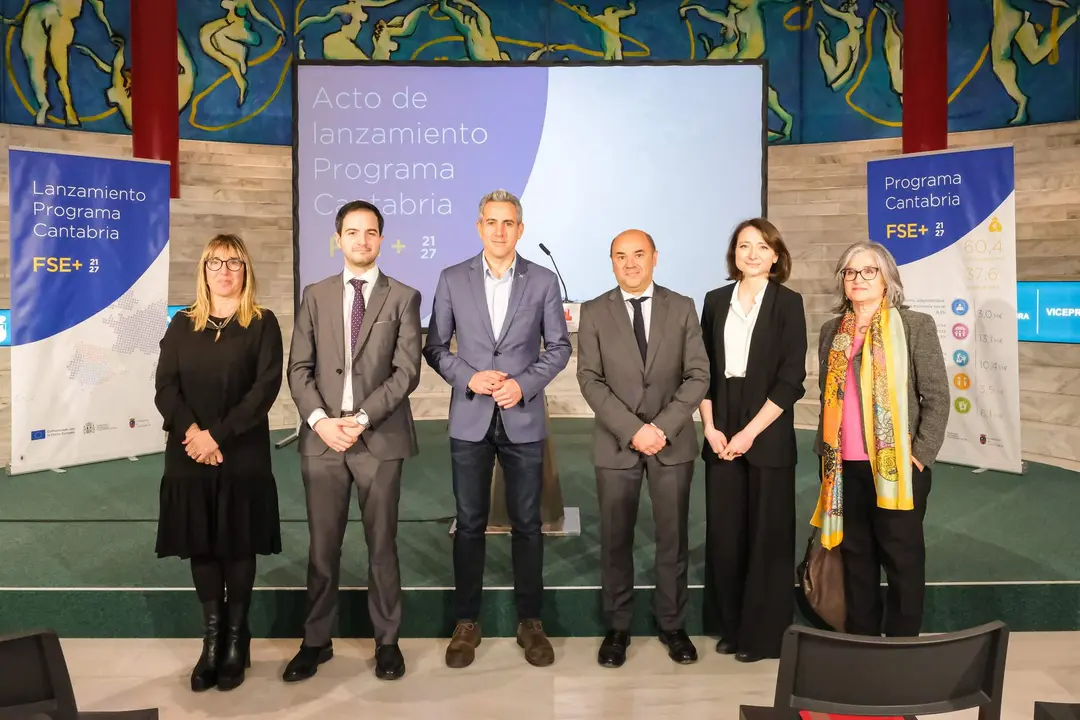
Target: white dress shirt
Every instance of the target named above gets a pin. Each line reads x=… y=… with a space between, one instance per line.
x=347 y=297
x=738 y=330
x=497 y=291
x=646 y=307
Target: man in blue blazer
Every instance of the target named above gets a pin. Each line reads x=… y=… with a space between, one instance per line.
x=500 y=306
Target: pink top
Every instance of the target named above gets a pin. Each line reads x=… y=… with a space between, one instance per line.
x=852 y=445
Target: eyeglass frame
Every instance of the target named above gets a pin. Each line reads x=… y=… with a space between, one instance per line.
x=859 y=273
x=225 y=263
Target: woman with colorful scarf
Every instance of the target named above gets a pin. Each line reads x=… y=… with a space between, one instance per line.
x=884 y=409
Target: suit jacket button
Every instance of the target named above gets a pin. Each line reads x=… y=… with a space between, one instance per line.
x=340 y=371
x=496 y=353
x=646 y=386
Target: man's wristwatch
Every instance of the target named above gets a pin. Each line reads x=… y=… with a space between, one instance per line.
x=362 y=418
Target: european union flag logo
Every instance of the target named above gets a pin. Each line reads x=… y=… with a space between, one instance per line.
x=37 y=434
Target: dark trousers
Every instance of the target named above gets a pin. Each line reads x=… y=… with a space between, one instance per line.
x=750 y=554
x=619 y=492
x=876 y=538
x=472 y=464
x=328 y=482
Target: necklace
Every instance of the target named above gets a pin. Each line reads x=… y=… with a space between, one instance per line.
x=219 y=326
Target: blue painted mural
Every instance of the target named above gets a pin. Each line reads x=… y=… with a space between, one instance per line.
x=835 y=65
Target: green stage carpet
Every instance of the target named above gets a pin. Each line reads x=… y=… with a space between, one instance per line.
x=78 y=550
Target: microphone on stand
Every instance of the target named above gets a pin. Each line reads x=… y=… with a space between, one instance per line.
x=566 y=296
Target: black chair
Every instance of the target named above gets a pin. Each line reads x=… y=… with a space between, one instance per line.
x=35 y=684
x=1056 y=711
x=831 y=672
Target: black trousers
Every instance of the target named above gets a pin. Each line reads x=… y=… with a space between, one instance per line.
x=472 y=465
x=876 y=538
x=749 y=554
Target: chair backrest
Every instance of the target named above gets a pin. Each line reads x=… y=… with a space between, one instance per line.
x=34 y=680
x=844 y=674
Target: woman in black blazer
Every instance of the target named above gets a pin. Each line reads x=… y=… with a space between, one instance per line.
x=755 y=334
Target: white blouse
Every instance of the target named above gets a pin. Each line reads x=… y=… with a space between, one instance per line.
x=738 y=330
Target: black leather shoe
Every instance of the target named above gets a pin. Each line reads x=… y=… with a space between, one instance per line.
x=389 y=662
x=612 y=652
x=746 y=657
x=306 y=662
x=679 y=647
x=726 y=647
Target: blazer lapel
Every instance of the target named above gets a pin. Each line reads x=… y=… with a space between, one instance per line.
x=624 y=327
x=718 y=323
x=762 y=325
x=476 y=280
x=371 y=312
x=517 y=290
x=657 y=325
x=718 y=388
x=335 y=301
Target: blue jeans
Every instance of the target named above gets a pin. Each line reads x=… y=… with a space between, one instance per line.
x=473 y=464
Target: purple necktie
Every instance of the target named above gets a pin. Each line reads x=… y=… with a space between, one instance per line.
x=357 y=310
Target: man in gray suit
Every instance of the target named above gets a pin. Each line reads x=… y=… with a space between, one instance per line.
x=643 y=370
x=500 y=306
x=354 y=360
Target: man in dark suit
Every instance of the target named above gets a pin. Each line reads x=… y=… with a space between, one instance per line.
x=500 y=306
x=354 y=360
x=643 y=370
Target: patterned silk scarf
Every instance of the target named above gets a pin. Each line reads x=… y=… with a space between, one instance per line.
x=883 y=386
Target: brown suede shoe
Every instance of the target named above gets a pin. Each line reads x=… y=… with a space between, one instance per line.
x=538 y=650
x=462 y=648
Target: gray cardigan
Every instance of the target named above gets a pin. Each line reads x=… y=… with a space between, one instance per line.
x=928 y=383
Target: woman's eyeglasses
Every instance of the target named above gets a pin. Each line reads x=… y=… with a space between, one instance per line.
x=868 y=273
x=234 y=264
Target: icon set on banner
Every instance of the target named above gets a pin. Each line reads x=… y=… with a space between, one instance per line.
x=961 y=380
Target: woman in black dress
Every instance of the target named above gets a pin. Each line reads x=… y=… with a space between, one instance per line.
x=755 y=335
x=219 y=373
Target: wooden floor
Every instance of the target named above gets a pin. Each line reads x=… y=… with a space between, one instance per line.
x=122 y=674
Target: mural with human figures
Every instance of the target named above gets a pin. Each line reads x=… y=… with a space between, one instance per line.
x=835 y=66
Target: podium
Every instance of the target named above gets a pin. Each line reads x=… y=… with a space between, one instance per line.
x=555 y=517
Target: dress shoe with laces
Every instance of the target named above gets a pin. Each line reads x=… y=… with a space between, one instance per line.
x=463 y=643
x=389 y=662
x=612 y=652
x=531 y=637
x=726 y=647
x=679 y=647
x=306 y=662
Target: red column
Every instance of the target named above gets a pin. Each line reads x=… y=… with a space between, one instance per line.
x=155 y=120
x=925 y=62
